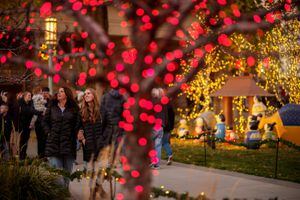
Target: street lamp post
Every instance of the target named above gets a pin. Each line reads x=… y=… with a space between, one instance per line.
x=50 y=40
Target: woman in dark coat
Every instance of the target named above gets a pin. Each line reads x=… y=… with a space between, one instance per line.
x=91 y=134
x=25 y=115
x=61 y=124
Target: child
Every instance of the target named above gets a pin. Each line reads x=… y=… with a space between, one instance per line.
x=221 y=127
x=39 y=104
x=5 y=131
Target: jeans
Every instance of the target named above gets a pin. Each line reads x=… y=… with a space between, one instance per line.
x=158 y=135
x=65 y=163
x=166 y=143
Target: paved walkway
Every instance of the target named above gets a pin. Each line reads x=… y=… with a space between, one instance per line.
x=216 y=184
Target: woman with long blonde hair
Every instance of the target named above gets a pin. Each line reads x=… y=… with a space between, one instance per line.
x=91 y=134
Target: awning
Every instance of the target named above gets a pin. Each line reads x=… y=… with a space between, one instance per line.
x=240 y=86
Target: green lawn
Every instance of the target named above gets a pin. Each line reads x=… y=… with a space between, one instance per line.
x=257 y=162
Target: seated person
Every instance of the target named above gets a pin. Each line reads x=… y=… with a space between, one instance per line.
x=221 y=127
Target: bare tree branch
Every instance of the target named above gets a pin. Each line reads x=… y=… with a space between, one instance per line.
x=96 y=32
x=176 y=88
x=244 y=54
x=16 y=11
x=184 y=13
x=144 y=6
x=51 y=72
x=74 y=55
x=262 y=11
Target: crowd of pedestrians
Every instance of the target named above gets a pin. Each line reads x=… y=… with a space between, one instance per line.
x=61 y=122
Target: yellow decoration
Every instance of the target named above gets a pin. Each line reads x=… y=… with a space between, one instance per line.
x=289 y=133
x=183 y=128
x=42 y=52
x=258 y=107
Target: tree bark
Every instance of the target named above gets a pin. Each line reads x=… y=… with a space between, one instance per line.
x=101 y=16
x=138 y=158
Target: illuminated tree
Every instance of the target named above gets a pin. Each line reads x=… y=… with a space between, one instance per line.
x=142 y=61
x=271 y=57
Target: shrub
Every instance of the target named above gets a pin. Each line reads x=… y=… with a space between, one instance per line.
x=29 y=180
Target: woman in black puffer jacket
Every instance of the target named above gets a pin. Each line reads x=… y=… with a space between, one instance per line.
x=61 y=124
x=91 y=135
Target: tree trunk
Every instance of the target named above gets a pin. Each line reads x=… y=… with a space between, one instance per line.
x=101 y=16
x=138 y=159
